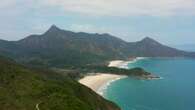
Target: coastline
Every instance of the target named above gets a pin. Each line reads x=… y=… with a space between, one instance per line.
x=100 y=81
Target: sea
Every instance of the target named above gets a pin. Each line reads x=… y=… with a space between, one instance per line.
x=175 y=91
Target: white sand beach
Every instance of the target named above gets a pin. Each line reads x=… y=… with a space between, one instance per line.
x=96 y=81
x=116 y=63
x=122 y=63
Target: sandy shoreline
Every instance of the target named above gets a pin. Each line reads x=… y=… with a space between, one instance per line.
x=95 y=82
x=121 y=63
x=99 y=80
x=116 y=63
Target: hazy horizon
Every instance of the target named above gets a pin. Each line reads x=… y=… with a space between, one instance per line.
x=169 y=22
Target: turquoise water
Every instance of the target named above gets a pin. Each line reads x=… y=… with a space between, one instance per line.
x=176 y=91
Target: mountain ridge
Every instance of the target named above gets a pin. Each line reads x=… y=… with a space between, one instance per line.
x=61 y=47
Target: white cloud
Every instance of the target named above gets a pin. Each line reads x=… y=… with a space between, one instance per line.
x=21 y=17
x=107 y=7
x=124 y=7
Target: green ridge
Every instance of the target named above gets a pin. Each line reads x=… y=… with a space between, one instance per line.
x=24 y=89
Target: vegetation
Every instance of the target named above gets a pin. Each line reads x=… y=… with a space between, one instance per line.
x=24 y=89
x=80 y=71
x=120 y=71
x=56 y=48
x=78 y=53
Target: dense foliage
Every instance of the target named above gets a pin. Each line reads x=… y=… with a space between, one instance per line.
x=24 y=89
x=77 y=72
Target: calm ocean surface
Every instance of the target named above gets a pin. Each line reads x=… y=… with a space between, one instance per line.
x=176 y=91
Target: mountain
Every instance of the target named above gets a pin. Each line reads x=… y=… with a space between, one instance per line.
x=57 y=47
x=55 y=38
x=150 y=48
x=25 y=89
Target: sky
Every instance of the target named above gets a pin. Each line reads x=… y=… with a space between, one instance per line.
x=168 y=21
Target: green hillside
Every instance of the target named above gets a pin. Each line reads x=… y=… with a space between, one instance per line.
x=58 y=48
x=24 y=89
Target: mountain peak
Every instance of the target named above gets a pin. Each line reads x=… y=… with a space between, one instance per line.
x=53 y=28
x=149 y=40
